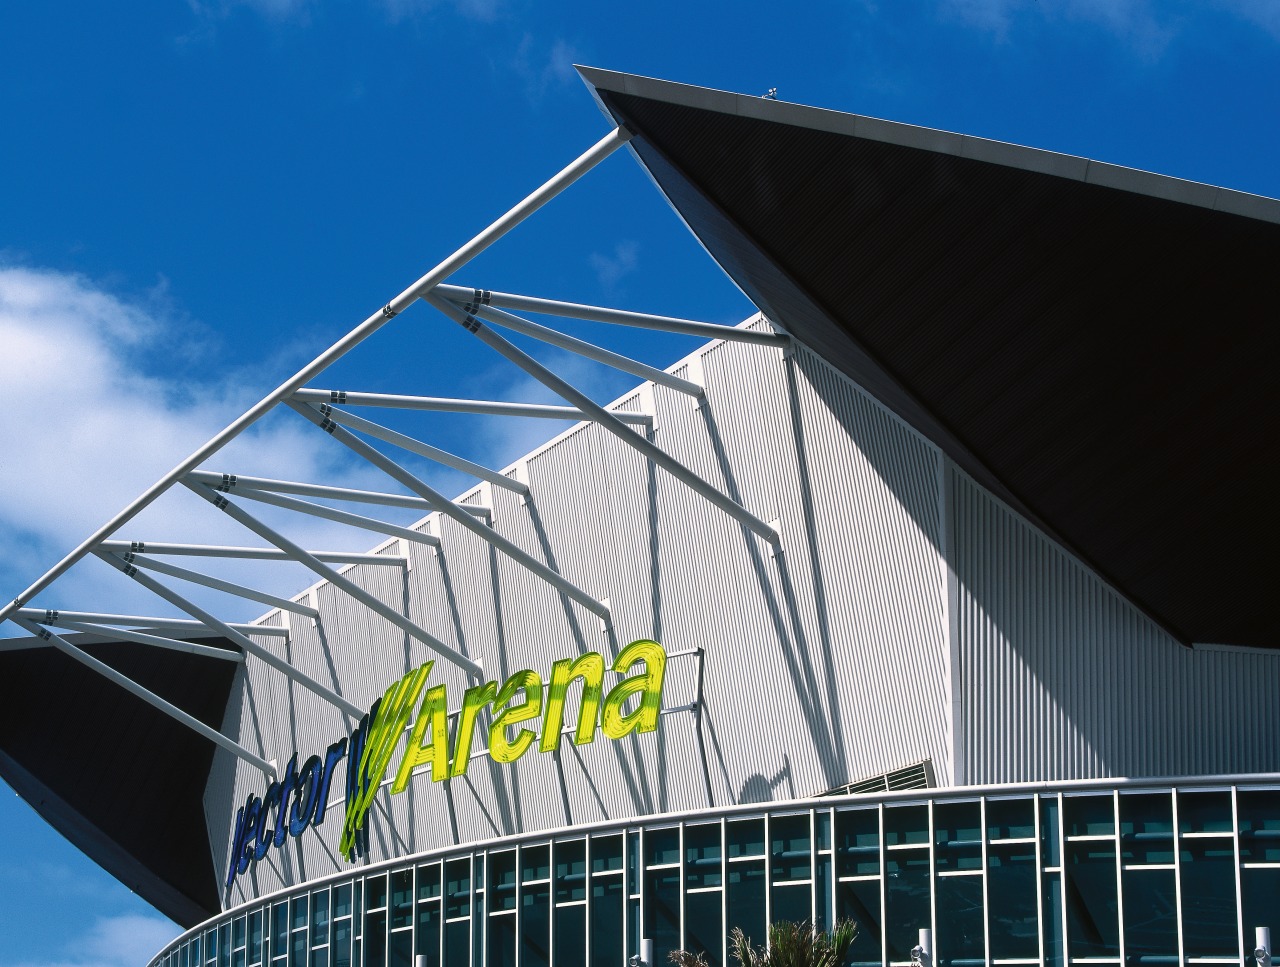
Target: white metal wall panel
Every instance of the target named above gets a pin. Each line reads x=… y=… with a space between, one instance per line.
x=1062 y=678
x=822 y=665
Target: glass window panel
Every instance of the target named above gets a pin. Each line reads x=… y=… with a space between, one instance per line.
x=298 y=949
x=298 y=912
x=535 y=863
x=341 y=947
x=427 y=941
x=957 y=835
x=402 y=898
x=457 y=889
x=822 y=824
x=860 y=902
x=822 y=892
x=904 y=825
x=606 y=921
x=535 y=926
x=1053 y=932
x=1208 y=897
x=1146 y=813
x=319 y=917
x=1204 y=812
x=662 y=912
x=1011 y=888
x=279 y=929
x=571 y=936
x=1088 y=816
x=224 y=945
x=1092 y=911
x=745 y=837
x=237 y=932
x=606 y=853
x=375 y=939
x=662 y=846
x=1260 y=903
x=1049 y=831
x=428 y=881
x=457 y=944
x=858 y=842
x=790 y=848
x=1259 y=827
x=959 y=934
x=197 y=958
x=211 y=946
x=702 y=857
x=1150 y=913
x=375 y=892
x=704 y=927
x=342 y=900
x=792 y=902
x=502 y=880
x=633 y=864
x=400 y=949
x=746 y=899
x=255 y=937
x=571 y=870
x=1011 y=818
x=502 y=941
x=320 y=958
x=906 y=900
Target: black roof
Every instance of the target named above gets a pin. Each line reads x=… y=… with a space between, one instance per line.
x=1096 y=344
x=114 y=775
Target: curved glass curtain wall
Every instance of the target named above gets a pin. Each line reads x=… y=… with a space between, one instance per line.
x=1082 y=876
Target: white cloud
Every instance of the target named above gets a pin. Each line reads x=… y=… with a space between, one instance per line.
x=128 y=940
x=611 y=269
x=87 y=430
x=542 y=66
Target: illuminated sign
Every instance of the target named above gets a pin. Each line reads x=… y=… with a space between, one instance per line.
x=299 y=798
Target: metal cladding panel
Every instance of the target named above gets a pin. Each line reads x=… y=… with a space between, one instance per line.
x=819 y=666
x=1062 y=678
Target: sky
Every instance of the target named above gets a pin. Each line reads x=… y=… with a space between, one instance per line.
x=196 y=198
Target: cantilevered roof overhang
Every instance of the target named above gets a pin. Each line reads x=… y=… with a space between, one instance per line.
x=1096 y=344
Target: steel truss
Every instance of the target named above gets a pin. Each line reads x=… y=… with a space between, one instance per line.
x=323 y=409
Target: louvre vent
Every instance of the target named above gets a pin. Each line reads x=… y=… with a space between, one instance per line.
x=916 y=776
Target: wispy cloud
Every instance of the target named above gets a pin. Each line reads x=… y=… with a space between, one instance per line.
x=1146 y=26
x=541 y=65
x=612 y=269
x=88 y=429
x=119 y=941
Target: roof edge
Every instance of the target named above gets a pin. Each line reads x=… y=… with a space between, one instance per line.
x=1071 y=167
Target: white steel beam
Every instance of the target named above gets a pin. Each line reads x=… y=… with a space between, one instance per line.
x=604 y=418
x=170 y=644
x=318 y=416
x=476 y=305
x=151 y=698
x=621 y=317
x=341 y=517
x=227 y=631
x=244 y=553
x=227 y=482
x=243 y=517
x=438 y=404
x=461 y=464
x=51 y=617
x=549 y=190
x=208 y=581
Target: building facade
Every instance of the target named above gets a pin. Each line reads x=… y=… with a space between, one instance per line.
x=891 y=604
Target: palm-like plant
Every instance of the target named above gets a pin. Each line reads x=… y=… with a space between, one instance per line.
x=795 y=945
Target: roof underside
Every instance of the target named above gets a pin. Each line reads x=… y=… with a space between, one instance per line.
x=1095 y=344
x=115 y=776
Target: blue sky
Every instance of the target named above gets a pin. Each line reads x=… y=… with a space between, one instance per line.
x=196 y=198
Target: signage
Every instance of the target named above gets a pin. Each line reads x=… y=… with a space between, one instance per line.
x=299 y=798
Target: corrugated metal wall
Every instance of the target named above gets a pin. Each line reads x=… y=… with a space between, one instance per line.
x=822 y=665
x=910 y=616
x=1062 y=678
